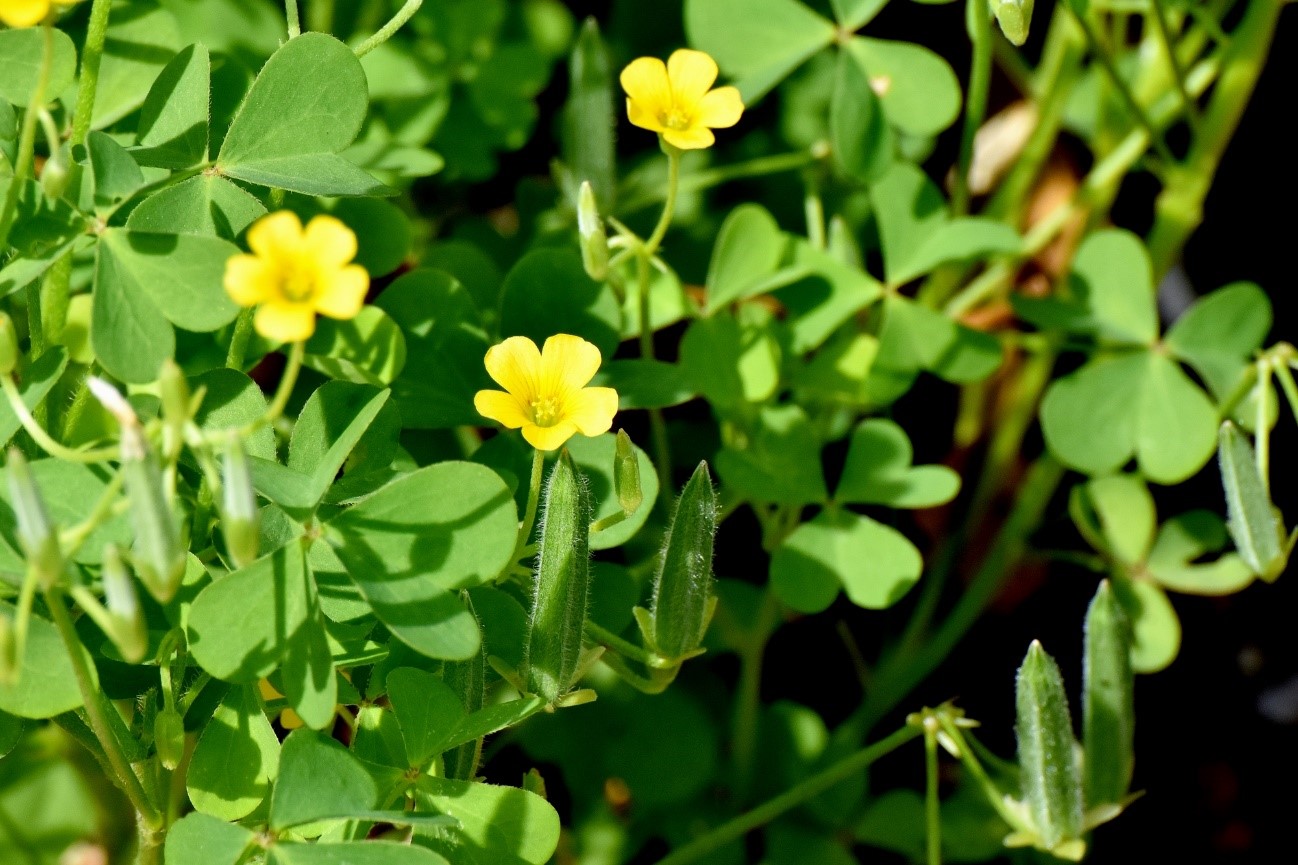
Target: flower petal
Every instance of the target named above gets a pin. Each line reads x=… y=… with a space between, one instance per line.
x=645 y=81
x=285 y=322
x=249 y=280
x=548 y=438
x=641 y=116
x=694 y=138
x=721 y=108
x=328 y=241
x=592 y=410
x=276 y=235
x=342 y=292
x=23 y=13
x=568 y=363
x=501 y=407
x=691 y=73
x=515 y=365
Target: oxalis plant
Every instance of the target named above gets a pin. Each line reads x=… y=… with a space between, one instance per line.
x=317 y=545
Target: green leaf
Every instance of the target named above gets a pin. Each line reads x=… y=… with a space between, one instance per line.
x=1252 y=517
x=232 y=400
x=46 y=807
x=863 y=146
x=503 y=825
x=318 y=779
x=368 y=349
x=588 y=117
x=493 y=719
x=306 y=106
x=875 y=564
x=1177 y=424
x=115 y=173
x=1052 y=786
x=43 y=231
x=827 y=296
x=1127 y=517
x=1177 y=559
x=71 y=492
x=142 y=39
x=408 y=546
x=915 y=338
x=548 y=292
x=756 y=42
x=383 y=232
x=236 y=758
x=645 y=383
x=637 y=750
x=731 y=362
x=356 y=853
x=205 y=204
x=910 y=210
x=197 y=837
x=1090 y=418
x=173 y=120
x=427 y=711
x=1220 y=332
x=181 y=274
x=594 y=457
x=239 y=626
x=840 y=370
x=780 y=461
x=962 y=239
x=1155 y=628
x=919 y=92
x=20 y=64
x=1114 y=279
x=1109 y=710
x=307 y=677
x=855 y=14
x=878 y=471
x=45 y=684
x=749 y=247
x=37 y=381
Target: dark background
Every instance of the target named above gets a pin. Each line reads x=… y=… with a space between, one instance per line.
x=1219 y=775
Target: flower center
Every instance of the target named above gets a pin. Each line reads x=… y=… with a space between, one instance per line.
x=676 y=118
x=546 y=410
x=297 y=283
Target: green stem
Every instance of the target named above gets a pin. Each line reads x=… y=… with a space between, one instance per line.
x=697 y=181
x=238 y=351
x=533 y=498
x=748 y=706
x=27 y=138
x=1158 y=15
x=96 y=704
x=932 y=804
x=813 y=206
x=92 y=55
x=41 y=437
x=980 y=77
x=291 y=16
x=286 y=383
x=733 y=830
x=404 y=14
x=1289 y=387
x=55 y=298
x=604 y=637
x=1262 y=431
x=320 y=15
x=669 y=203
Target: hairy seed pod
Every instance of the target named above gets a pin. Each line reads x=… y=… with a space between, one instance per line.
x=159 y=555
x=1108 y=701
x=1052 y=787
x=169 y=737
x=594 y=242
x=8 y=345
x=238 y=506
x=626 y=474
x=1015 y=17
x=37 y=535
x=562 y=579
x=130 y=631
x=468 y=680
x=683 y=584
x=1251 y=517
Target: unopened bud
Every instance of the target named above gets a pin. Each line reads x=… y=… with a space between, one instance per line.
x=129 y=632
x=169 y=737
x=159 y=556
x=594 y=242
x=626 y=474
x=682 y=603
x=1015 y=17
x=37 y=535
x=562 y=580
x=238 y=506
x=8 y=345
x=55 y=174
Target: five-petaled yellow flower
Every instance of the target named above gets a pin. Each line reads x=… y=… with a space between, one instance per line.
x=547 y=395
x=675 y=99
x=295 y=273
x=26 y=13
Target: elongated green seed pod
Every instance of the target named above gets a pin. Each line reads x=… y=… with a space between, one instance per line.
x=159 y=556
x=683 y=583
x=562 y=579
x=238 y=506
x=626 y=474
x=130 y=631
x=1052 y=786
x=37 y=535
x=1109 y=714
x=1015 y=17
x=468 y=680
x=1251 y=518
x=169 y=737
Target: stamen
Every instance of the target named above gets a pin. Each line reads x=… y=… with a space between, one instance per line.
x=546 y=410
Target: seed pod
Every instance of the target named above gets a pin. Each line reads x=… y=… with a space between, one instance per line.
x=1108 y=701
x=562 y=578
x=683 y=585
x=159 y=556
x=467 y=679
x=626 y=474
x=1015 y=17
x=1251 y=517
x=238 y=506
x=130 y=632
x=169 y=737
x=1052 y=788
x=8 y=345
x=594 y=242
x=37 y=535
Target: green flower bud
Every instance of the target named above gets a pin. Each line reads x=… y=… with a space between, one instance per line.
x=1052 y=786
x=1014 y=16
x=159 y=556
x=55 y=175
x=1108 y=701
x=169 y=737
x=682 y=600
x=468 y=680
x=130 y=632
x=37 y=535
x=8 y=345
x=626 y=475
x=594 y=242
x=554 y=639
x=238 y=506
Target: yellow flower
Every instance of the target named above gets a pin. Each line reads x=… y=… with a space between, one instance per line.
x=294 y=274
x=547 y=395
x=675 y=99
x=24 y=13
